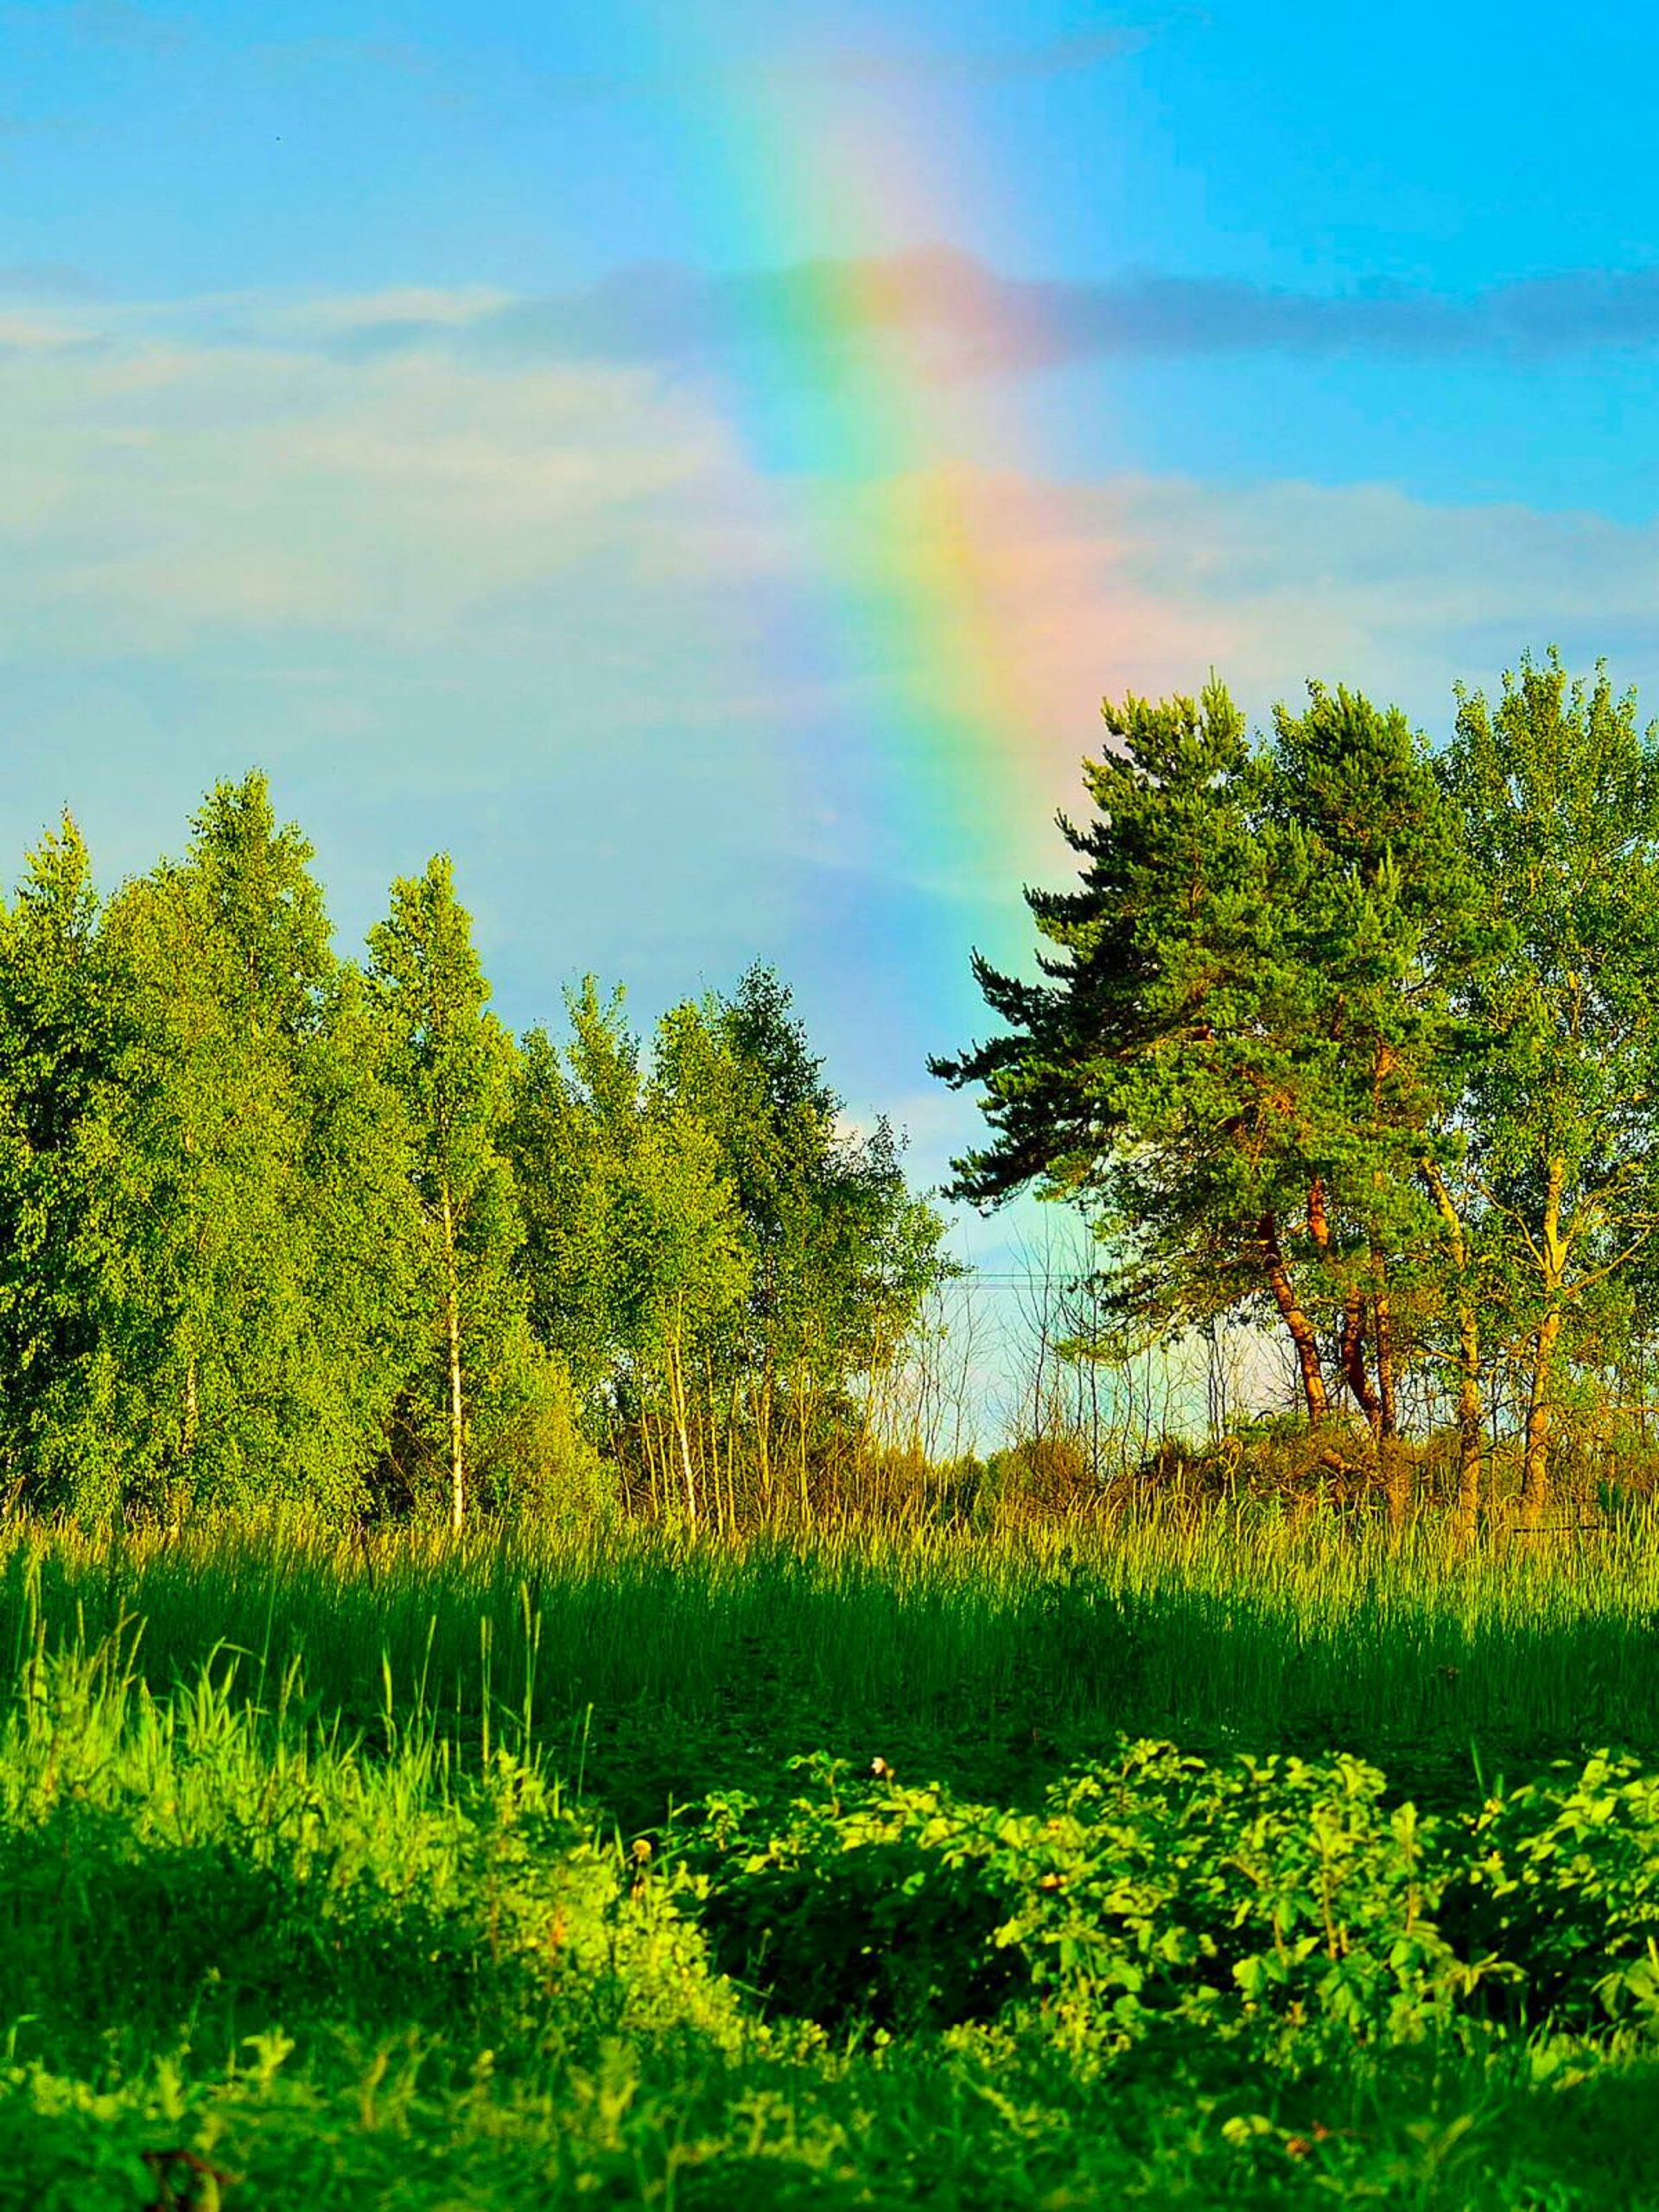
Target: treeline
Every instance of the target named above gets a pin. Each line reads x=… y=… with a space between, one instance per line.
x=276 y=1224
x=1355 y=1041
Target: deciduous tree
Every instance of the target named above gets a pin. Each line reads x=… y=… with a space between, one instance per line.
x=451 y=1063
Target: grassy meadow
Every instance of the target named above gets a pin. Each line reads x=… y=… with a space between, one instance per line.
x=1247 y=1859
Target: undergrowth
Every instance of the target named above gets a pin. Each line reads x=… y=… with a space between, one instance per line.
x=334 y=1909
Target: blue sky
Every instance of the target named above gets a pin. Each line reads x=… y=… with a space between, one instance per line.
x=417 y=402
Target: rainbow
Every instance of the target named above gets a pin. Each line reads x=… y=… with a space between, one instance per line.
x=918 y=545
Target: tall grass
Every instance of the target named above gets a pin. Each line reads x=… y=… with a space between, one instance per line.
x=297 y=1908
x=638 y=1661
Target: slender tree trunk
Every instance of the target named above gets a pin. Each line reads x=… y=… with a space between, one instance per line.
x=658 y=1489
x=1301 y=1329
x=763 y=1430
x=708 y=1444
x=1350 y=1348
x=802 y=1415
x=1472 y=1443
x=452 y=1332
x=665 y=1461
x=1388 y=1404
x=1535 y=1480
x=1471 y=1423
x=1392 y=1458
x=682 y=1433
x=675 y=1376
x=733 y=1426
x=1388 y=1422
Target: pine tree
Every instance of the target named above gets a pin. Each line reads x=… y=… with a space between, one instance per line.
x=1159 y=1072
x=1389 y=918
x=1230 y=1059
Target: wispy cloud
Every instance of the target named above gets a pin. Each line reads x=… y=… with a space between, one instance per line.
x=159 y=492
x=163 y=495
x=45 y=280
x=879 y=69
x=119 y=23
x=965 y=318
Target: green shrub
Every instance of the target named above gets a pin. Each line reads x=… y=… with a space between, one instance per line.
x=189 y=1866
x=1037 y=1478
x=1260 y=1892
x=1561 y=1877
x=540 y=1473
x=1272 y=1897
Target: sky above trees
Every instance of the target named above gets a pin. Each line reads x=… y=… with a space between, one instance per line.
x=702 y=466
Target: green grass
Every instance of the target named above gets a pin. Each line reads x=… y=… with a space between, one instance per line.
x=327 y=1864
x=658 y=1670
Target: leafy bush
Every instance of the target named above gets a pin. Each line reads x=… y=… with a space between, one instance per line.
x=1036 y=1477
x=1267 y=1890
x=1562 y=1878
x=1271 y=1898
x=251 y=1959
x=539 y=1469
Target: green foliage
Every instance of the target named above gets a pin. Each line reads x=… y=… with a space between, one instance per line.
x=68 y=1034
x=1346 y=1037
x=349 y=1889
x=634 y=1260
x=204 y=1306
x=1557 y=787
x=274 y=1228
x=1259 y=1896
x=253 y=1955
x=540 y=1471
x=1567 y=1880
x=1230 y=1061
x=719 y=1262
x=1099 y=1056
x=450 y=1064
x=840 y=1252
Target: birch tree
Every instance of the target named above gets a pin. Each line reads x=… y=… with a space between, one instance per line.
x=1557 y=786
x=451 y=1063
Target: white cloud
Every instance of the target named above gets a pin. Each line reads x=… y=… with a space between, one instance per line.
x=163 y=492
x=1363 y=583
x=155 y=492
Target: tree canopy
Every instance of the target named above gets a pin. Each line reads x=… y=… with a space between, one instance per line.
x=276 y=1225
x=1348 y=1038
